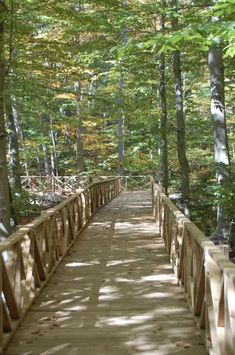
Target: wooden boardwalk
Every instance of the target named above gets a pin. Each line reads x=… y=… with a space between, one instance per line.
x=115 y=293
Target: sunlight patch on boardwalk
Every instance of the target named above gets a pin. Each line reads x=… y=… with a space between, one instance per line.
x=115 y=293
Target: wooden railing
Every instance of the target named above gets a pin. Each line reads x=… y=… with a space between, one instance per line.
x=29 y=257
x=203 y=271
x=68 y=184
x=55 y=183
x=135 y=182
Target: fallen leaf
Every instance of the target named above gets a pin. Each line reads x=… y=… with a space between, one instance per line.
x=36 y=332
x=186 y=346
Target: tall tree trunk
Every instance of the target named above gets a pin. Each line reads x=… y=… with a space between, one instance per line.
x=216 y=67
x=79 y=131
x=68 y=140
x=121 y=116
x=45 y=160
x=5 y=204
x=39 y=170
x=54 y=166
x=163 y=143
x=14 y=148
x=21 y=139
x=180 y=122
x=120 y=136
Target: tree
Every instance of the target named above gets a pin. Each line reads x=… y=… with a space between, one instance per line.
x=162 y=84
x=180 y=124
x=215 y=62
x=13 y=142
x=5 y=203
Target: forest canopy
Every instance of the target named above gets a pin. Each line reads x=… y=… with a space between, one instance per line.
x=127 y=87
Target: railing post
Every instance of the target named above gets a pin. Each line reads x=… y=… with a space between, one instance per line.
x=224 y=249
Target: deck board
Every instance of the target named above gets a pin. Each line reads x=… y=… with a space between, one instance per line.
x=115 y=293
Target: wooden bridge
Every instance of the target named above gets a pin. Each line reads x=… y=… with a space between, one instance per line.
x=107 y=287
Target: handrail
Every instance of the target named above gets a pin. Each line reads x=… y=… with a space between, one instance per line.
x=29 y=257
x=69 y=183
x=205 y=274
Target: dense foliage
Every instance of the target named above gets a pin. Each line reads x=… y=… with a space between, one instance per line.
x=69 y=79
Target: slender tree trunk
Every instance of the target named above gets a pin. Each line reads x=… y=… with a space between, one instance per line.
x=68 y=140
x=54 y=166
x=21 y=139
x=39 y=172
x=14 y=148
x=120 y=135
x=180 y=122
x=121 y=116
x=164 y=147
x=216 y=67
x=5 y=204
x=80 y=148
x=45 y=159
x=181 y=145
x=163 y=143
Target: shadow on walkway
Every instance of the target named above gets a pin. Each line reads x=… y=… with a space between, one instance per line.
x=115 y=293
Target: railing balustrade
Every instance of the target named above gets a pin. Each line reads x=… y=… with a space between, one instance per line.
x=205 y=274
x=64 y=184
x=68 y=184
x=29 y=256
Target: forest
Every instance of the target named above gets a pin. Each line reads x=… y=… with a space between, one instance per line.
x=120 y=87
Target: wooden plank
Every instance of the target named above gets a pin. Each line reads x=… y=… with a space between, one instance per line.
x=6 y=326
x=9 y=294
x=19 y=274
x=38 y=262
x=221 y=311
x=29 y=285
x=114 y=294
x=200 y=294
x=229 y=286
x=214 y=307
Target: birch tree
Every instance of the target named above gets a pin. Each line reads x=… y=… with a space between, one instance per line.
x=13 y=142
x=216 y=67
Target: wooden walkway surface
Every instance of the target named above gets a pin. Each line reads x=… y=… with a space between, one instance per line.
x=115 y=293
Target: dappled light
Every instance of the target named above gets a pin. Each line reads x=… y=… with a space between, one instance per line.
x=114 y=293
x=117 y=177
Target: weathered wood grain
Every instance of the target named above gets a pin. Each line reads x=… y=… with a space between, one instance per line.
x=31 y=255
x=114 y=293
x=203 y=270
